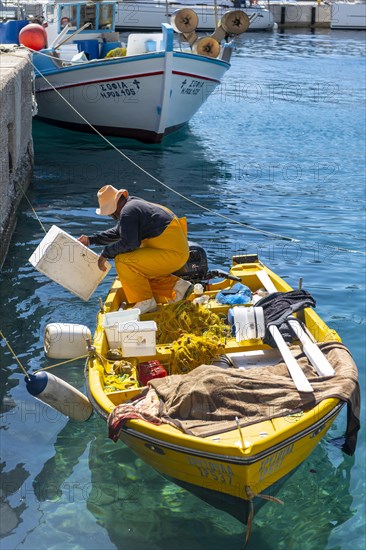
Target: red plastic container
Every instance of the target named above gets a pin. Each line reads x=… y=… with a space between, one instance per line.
x=149 y=370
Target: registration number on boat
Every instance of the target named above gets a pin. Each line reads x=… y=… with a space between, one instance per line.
x=272 y=463
x=213 y=470
x=191 y=86
x=119 y=89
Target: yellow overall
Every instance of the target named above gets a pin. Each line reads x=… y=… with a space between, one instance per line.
x=146 y=271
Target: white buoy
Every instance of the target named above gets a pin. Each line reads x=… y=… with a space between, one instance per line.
x=65 y=340
x=249 y=323
x=59 y=395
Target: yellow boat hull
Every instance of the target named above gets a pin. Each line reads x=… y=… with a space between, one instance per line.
x=231 y=467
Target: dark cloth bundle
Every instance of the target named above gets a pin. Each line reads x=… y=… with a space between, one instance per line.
x=278 y=306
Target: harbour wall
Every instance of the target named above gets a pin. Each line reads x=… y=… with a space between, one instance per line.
x=16 y=145
x=306 y=14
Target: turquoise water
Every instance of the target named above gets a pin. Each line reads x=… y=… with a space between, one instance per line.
x=280 y=148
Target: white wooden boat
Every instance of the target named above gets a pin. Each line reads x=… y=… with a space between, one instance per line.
x=148 y=15
x=149 y=91
x=348 y=15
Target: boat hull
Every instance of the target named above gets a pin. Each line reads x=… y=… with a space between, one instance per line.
x=226 y=466
x=126 y=96
x=348 y=15
x=227 y=482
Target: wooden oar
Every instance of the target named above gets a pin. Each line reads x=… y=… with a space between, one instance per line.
x=297 y=375
x=311 y=350
x=71 y=35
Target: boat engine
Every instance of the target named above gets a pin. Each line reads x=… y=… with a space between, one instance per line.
x=196 y=269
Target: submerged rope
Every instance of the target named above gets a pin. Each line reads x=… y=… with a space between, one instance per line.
x=251 y=496
x=206 y=209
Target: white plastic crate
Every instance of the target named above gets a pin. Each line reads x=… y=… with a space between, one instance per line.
x=69 y=263
x=111 y=323
x=137 y=338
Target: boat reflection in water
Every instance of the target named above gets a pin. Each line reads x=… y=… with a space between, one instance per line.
x=138 y=507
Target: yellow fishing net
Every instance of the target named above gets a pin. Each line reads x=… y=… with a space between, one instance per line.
x=190 y=351
x=117 y=52
x=195 y=333
x=123 y=377
x=175 y=320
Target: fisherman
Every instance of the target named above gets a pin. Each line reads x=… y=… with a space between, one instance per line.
x=148 y=244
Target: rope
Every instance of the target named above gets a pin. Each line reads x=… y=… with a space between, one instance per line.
x=34 y=212
x=62 y=363
x=14 y=354
x=251 y=496
x=184 y=197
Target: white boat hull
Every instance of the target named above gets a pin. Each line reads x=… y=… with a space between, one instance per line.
x=136 y=14
x=348 y=15
x=144 y=97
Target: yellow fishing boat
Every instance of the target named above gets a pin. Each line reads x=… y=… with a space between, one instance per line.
x=235 y=415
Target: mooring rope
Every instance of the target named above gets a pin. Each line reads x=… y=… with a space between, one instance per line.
x=184 y=197
x=38 y=370
x=33 y=210
x=14 y=355
x=62 y=363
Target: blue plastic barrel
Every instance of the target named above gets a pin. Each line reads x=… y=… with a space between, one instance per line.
x=90 y=47
x=9 y=31
x=108 y=46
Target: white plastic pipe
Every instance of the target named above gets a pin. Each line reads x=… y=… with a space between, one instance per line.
x=60 y=36
x=297 y=375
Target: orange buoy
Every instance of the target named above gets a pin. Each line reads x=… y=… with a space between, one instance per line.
x=33 y=36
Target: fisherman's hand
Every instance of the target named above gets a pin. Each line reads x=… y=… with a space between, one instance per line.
x=101 y=263
x=84 y=240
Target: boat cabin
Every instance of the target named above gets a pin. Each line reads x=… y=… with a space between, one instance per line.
x=99 y=15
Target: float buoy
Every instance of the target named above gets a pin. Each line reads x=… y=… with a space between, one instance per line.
x=59 y=395
x=33 y=36
x=207 y=46
x=184 y=21
x=235 y=22
x=65 y=340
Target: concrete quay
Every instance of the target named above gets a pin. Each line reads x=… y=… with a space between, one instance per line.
x=16 y=145
x=301 y=14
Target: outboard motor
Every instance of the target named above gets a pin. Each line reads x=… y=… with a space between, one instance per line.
x=196 y=269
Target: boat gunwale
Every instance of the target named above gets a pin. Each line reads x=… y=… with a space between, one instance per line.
x=92 y=63
x=241 y=460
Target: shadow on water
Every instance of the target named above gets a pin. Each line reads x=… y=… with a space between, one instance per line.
x=11 y=481
x=183 y=163
x=65 y=186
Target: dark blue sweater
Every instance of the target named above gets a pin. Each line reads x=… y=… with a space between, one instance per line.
x=138 y=220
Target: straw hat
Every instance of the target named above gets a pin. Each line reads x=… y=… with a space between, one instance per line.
x=108 y=197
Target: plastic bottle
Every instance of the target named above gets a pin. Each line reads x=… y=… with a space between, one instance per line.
x=201 y=299
x=198 y=289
